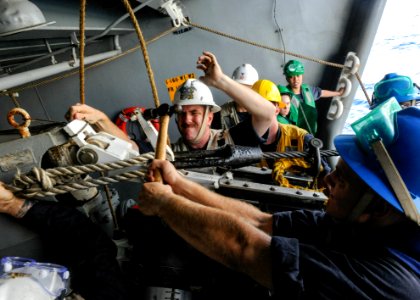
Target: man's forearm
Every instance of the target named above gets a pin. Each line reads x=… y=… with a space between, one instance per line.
x=262 y=111
x=218 y=234
x=195 y=192
x=16 y=207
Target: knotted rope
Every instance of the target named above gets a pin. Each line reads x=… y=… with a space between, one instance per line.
x=60 y=180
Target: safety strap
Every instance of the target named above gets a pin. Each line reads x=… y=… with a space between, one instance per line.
x=360 y=207
x=309 y=106
x=397 y=183
x=202 y=127
x=308 y=126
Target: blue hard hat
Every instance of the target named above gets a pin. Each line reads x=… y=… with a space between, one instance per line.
x=404 y=151
x=394 y=85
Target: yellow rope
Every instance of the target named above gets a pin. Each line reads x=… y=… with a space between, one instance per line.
x=82 y=50
x=163 y=125
x=144 y=50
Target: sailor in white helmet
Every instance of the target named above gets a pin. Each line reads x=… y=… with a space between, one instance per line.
x=198 y=108
x=232 y=113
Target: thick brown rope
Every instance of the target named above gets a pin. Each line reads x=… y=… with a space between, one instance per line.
x=363 y=88
x=341 y=66
x=82 y=50
x=163 y=138
x=144 y=51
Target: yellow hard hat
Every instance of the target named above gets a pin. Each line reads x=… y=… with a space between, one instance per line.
x=269 y=91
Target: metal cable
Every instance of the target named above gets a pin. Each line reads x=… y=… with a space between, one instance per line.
x=294 y=154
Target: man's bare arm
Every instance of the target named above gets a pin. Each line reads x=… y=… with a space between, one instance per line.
x=261 y=110
x=196 y=193
x=220 y=235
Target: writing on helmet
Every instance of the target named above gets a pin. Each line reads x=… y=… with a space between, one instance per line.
x=195 y=92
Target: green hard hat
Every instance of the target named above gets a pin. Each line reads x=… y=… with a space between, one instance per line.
x=293 y=68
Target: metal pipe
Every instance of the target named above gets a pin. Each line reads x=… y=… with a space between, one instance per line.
x=88 y=41
x=118 y=21
x=33 y=75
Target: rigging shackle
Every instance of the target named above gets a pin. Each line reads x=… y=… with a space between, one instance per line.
x=24 y=126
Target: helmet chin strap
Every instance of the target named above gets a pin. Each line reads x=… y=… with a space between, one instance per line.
x=361 y=206
x=202 y=126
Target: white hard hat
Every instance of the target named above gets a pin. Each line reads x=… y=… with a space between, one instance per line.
x=245 y=74
x=194 y=92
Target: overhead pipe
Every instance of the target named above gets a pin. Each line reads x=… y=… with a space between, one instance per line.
x=88 y=40
x=36 y=74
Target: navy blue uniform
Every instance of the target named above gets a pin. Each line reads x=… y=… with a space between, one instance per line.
x=315 y=257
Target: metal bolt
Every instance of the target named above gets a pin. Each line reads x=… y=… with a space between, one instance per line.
x=246 y=185
x=87 y=156
x=272 y=188
x=298 y=193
